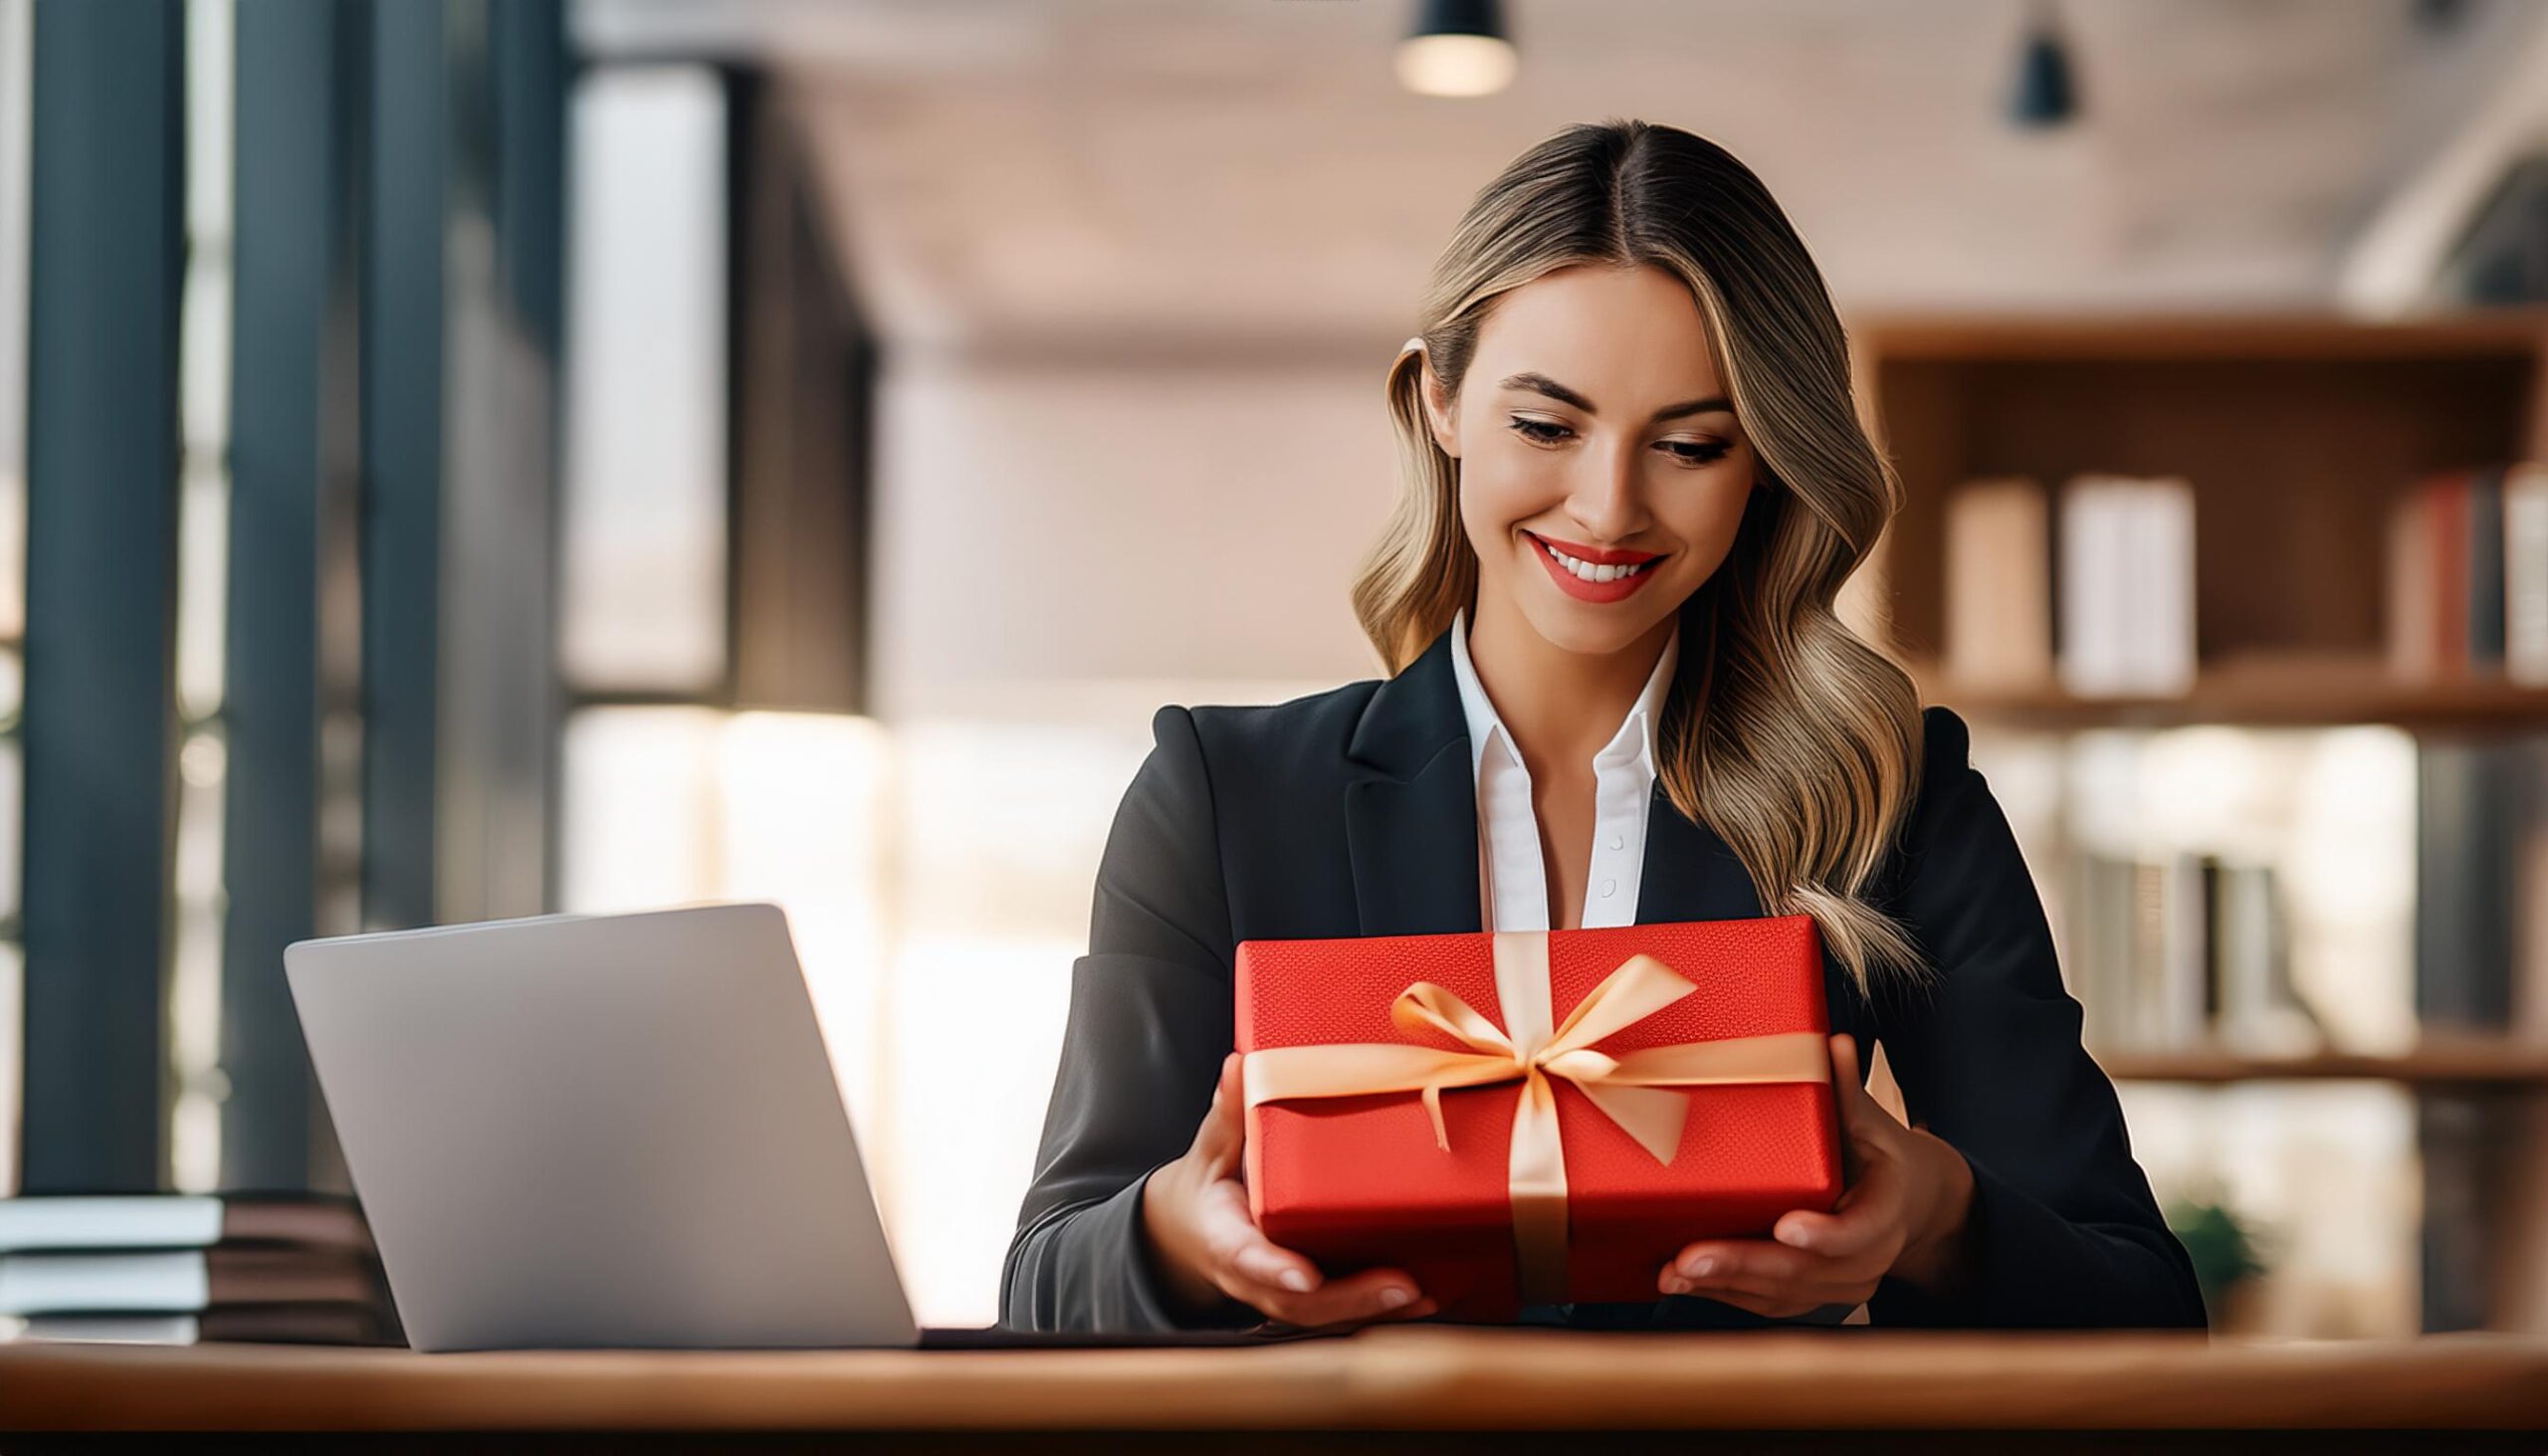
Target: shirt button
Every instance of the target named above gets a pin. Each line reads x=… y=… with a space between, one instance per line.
x=1608 y=886
x=1619 y=841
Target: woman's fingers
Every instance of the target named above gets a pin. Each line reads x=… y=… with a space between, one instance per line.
x=1224 y=1129
x=1232 y=1242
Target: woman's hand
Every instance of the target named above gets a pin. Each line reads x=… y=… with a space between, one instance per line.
x=1905 y=1212
x=1204 y=1244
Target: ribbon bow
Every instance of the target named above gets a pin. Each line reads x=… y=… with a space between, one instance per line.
x=1634 y=1089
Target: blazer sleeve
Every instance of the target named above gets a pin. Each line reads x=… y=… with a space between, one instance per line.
x=2065 y=1229
x=1150 y=1018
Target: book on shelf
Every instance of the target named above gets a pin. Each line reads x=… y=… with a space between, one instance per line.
x=2466 y=1145
x=2525 y=532
x=2125 y=581
x=1998 y=584
x=2530 y=929
x=2482 y=811
x=2468 y=574
x=180 y=1268
x=2094 y=592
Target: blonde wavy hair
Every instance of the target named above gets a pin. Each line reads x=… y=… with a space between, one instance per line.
x=1796 y=739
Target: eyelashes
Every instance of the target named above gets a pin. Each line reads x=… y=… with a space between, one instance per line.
x=1687 y=452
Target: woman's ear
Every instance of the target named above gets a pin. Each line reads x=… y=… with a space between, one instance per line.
x=1438 y=410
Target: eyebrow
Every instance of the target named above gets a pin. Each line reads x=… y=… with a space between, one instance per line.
x=1539 y=383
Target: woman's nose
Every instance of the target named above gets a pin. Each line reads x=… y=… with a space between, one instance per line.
x=1608 y=499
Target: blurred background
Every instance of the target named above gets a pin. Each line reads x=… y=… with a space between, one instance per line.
x=474 y=457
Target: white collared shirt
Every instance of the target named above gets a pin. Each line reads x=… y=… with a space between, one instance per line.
x=1513 y=884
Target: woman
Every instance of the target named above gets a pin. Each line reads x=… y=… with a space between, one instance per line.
x=1634 y=482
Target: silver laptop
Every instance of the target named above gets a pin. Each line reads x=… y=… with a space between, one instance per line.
x=604 y=1131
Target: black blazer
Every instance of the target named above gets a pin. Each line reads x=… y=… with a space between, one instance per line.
x=1351 y=812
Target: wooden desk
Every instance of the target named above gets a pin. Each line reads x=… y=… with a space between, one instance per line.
x=1403 y=1379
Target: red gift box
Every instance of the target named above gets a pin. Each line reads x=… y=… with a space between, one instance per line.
x=1571 y=1160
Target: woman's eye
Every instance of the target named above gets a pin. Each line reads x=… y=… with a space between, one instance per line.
x=1694 y=452
x=1532 y=430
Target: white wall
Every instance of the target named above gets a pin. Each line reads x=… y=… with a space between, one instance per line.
x=1043 y=527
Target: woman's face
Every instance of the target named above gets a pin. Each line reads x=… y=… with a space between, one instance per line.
x=1592 y=423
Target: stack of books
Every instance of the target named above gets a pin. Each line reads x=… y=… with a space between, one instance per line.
x=2185 y=950
x=2469 y=574
x=179 y=1267
x=2099 y=596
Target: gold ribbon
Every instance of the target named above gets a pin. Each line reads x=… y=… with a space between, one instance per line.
x=1634 y=1089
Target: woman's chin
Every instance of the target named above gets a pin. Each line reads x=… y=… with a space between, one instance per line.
x=1593 y=629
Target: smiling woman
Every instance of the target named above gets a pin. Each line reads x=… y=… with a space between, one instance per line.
x=1634 y=482
x=1627 y=353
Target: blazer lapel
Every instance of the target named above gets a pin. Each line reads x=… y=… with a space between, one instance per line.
x=1690 y=874
x=1411 y=805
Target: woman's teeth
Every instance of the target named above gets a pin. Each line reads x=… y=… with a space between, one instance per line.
x=1589 y=572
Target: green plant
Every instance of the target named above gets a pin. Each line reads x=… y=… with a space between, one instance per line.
x=2218 y=1241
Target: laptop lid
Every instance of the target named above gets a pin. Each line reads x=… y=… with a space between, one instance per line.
x=600 y=1131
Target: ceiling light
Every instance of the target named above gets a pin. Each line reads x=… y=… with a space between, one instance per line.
x=2044 y=95
x=1457 y=48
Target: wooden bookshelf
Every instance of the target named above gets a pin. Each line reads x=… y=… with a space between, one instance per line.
x=2297 y=434
x=2472 y=1062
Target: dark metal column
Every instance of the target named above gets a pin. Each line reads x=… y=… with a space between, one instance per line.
x=402 y=368
x=102 y=447
x=294 y=377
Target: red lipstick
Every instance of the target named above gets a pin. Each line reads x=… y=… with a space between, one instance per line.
x=1617 y=589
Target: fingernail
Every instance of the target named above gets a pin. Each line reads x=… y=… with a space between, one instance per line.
x=1700 y=1267
x=1675 y=1284
x=1396 y=1297
x=1792 y=1237
x=1274 y=1271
